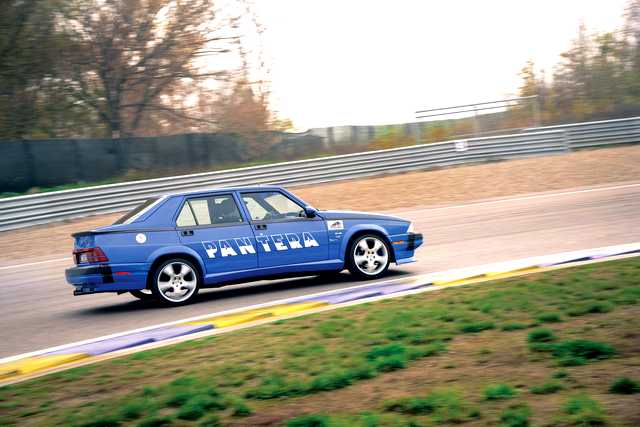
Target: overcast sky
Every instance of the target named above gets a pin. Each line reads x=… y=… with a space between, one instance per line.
x=339 y=62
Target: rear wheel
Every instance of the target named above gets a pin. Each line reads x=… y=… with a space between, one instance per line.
x=142 y=294
x=368 y=257
x=175 y=282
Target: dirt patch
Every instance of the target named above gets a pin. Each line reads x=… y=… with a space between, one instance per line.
x=435 y=187
x=474 y=361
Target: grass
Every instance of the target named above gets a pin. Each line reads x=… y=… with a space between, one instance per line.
x=549 y=318
x=476 y=327
x=155 y=421
x=590 y=307
x=513 y=326
x=571 y=352
x=516 y=416
x=314 y=420
x=624 y=385
x=444 y=406
x=579 y=352
x=549 y=387
x=460 y=355
x=499 y=391
x=582 y=410
x=541 y=335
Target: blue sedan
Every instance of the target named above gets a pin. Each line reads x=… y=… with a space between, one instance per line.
x=171 y=246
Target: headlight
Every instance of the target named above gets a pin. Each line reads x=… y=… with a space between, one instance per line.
x=410 y=229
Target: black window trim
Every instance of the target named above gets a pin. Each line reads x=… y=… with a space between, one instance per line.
x=199 y=226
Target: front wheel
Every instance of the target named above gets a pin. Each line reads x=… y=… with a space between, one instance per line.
x=175 y=282
x=368 y=257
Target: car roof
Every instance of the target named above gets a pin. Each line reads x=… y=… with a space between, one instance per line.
x=205 y=191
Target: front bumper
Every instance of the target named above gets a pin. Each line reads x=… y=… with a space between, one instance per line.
x=414 y=240
x=404 y=246
x=91 y=279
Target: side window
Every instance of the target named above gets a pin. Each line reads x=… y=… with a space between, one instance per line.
x=224 y=210
x=209 y=210
x=255 y=210
x=271 y=205
x=201 y=211
x=185 y=219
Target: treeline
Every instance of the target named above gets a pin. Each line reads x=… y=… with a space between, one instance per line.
x=120 y=68
x=597 y=78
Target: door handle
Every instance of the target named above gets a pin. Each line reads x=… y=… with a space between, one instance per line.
x=186 y=233
x=261 y=226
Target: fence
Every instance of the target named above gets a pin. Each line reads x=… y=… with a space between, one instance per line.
x=22 y=211
x=52 y=162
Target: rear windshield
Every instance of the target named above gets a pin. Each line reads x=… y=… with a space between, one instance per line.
x=137 y=211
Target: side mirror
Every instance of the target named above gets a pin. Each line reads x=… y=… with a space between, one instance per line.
x=310 y=211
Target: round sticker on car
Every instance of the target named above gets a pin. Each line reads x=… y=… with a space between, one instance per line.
x=141 y=238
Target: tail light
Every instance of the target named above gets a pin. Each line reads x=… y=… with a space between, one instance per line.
x=89 y=255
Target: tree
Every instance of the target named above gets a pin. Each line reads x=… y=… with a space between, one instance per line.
x=530 y=84
x=597 y=78
x=631 y=48
x=28 y=52
x=129 y=58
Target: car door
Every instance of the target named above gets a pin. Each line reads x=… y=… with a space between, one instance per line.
x=214 y=227
x=284 y=235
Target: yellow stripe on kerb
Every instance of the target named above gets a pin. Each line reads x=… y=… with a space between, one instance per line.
x=458 y=280
x=256 y=314
x=230 y=320
x=508 y=273
x=37 y=363
x=284 y=309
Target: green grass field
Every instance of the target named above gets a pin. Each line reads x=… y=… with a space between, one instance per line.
x=559 y=348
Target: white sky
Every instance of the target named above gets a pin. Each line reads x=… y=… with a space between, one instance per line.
x=341 y=62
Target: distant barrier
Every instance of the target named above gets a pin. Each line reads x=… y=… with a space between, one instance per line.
x=52 y=162
x=22 y=211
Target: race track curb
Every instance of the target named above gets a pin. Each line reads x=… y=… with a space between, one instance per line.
x=30 y=365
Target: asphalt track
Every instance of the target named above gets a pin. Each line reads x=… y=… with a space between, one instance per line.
x=38 y=309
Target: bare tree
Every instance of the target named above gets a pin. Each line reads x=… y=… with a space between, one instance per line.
x=131 y=56
x=27 y=45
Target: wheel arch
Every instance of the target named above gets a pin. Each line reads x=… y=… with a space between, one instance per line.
x=361 y=231
x=181 y=253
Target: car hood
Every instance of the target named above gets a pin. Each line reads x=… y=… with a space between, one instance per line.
x=359 y=215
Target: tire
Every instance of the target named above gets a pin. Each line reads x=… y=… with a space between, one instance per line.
x=368 y=257
x=143 y=294
x=171 y=285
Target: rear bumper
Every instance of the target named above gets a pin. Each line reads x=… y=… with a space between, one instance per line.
x=91 y=279
x=404 y=246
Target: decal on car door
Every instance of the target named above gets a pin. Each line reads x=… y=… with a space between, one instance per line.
x=274 y=242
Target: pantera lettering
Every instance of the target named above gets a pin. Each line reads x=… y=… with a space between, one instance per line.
x=245 y=245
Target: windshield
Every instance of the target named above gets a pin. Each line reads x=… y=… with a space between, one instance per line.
x=133 y=214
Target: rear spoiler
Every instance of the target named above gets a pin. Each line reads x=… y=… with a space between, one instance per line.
x=83 y=233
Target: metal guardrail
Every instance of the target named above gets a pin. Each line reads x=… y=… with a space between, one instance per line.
x=23 y=211
x=600 y=133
